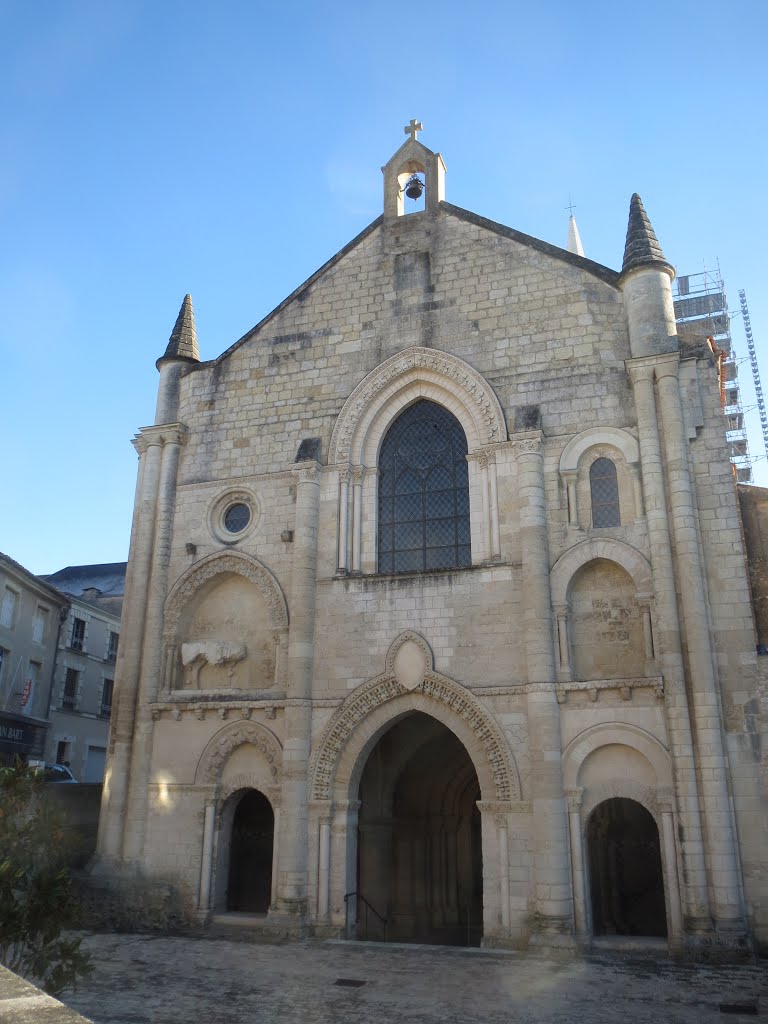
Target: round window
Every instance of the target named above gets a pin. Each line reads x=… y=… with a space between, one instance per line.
x=236 y=518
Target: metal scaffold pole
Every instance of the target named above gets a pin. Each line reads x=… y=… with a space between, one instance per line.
x=755 y=368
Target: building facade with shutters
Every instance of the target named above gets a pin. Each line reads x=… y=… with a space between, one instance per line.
x=82 y=693
x=437 y=622
x=31 y=613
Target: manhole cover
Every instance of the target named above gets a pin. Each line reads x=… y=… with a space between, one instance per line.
x=349 y=982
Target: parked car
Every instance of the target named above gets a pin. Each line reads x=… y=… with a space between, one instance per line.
x=58 y=773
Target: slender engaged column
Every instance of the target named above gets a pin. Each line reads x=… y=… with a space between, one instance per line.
x=292 y=876
x=494 y=507
x=115 y=795
x=357 y=517
x=577 y=863
x=562 y=642
x=341 y=560
x=668 y=650
x=670 y=870
x=324 y=869
x=570 y=488
x=707 y=712
x=551 y=867
x=204 y=903
x=171 y=436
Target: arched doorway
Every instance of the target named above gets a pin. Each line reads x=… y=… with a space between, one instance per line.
x=419 y=844
x=626 y=880
x=249 y=884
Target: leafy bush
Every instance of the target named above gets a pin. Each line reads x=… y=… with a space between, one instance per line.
x=37 y=902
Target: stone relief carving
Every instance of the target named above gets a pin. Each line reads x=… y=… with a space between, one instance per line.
x=218 y=653
x=475 y=388
x=232 y=736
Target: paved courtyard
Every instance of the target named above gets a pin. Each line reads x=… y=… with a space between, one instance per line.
x=150 y=980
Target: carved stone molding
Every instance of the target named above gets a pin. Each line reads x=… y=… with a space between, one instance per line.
x=165 y=433
x=527 y=445
x=446 y=693
x=217 y=564
x=226 y=740
x=475 y=390
x=623 y=687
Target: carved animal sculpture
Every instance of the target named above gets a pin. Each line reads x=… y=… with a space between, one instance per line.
x=198 y=653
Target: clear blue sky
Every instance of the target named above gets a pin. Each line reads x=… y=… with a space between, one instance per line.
x=230 y=148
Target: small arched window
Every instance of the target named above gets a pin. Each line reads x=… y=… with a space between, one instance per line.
x=424 y=492
x=604 y=491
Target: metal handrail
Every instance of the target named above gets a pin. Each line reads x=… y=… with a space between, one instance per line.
x=368 y=906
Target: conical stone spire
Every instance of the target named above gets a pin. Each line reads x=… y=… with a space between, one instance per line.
x=183 y=340
x=574 y=239
x=642 y=247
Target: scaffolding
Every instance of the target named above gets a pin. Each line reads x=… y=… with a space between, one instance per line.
x=701 y=308
x=755 y=368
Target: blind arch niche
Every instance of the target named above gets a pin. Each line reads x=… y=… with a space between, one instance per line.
x=423 y=494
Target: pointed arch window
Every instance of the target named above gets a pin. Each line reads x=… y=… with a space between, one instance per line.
x=604 y=492
x=424 y=492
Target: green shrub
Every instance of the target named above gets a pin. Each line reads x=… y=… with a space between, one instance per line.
x=37 y=902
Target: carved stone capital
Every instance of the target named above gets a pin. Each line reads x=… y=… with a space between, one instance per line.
x=307 y=472
x=358 y=475
x=527 y=443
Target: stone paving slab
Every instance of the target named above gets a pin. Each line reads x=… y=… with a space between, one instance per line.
x=161 y=980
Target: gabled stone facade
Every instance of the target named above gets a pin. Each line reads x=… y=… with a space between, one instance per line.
x=532 y=732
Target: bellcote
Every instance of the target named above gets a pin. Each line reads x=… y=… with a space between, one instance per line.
x=413 y=158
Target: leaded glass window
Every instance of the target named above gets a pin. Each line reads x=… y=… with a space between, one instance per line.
x=424 y=492
x=604 y=489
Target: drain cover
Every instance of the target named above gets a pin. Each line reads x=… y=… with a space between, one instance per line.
x=748 y=1008
x=349 y=982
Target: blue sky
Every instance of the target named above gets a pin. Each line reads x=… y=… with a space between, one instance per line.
x=228 y=149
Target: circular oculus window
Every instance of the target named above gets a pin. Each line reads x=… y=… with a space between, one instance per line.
x=236 y=518
x=233 y=516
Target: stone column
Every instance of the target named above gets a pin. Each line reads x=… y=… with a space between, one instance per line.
x=670 y=873
x=667 y=647
x=204 y=902
x=171 y=436
x=115 y=795
x=569 y=476
x=341 y=558
x=578 y=868
x=357 y=517
x=493 y=500
x=707 y=711
x=563 y=645
x=551 y=866
x=292 y=876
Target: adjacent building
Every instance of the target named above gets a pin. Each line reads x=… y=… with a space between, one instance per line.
x=83 y=684
x=31 y=616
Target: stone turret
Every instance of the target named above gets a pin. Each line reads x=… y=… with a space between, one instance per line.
x=646 y=281
x=182 y=348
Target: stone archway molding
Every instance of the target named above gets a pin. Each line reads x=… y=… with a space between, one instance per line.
x=219 y=564
x=403 y=379
x=592 y=436
x=621 y=734
x=629 y=558
x=355 y=726
x=228 y=739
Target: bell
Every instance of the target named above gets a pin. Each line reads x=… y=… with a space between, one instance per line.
x=414 y=187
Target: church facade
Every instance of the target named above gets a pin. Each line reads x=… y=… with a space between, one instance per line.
x=437 y=622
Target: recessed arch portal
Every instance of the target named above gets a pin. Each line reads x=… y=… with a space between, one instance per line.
x=419 y=862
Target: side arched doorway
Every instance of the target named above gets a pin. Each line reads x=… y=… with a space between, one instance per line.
x=419 y=858
x=625 y=872
x=249 y=874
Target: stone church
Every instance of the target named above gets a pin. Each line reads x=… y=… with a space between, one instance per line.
x=437 y=620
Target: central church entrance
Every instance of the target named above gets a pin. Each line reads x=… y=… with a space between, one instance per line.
x=419 y=846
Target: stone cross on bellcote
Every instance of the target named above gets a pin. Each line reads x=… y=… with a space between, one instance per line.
x=413 y=128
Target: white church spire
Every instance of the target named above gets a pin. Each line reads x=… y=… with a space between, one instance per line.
x=574 y=240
